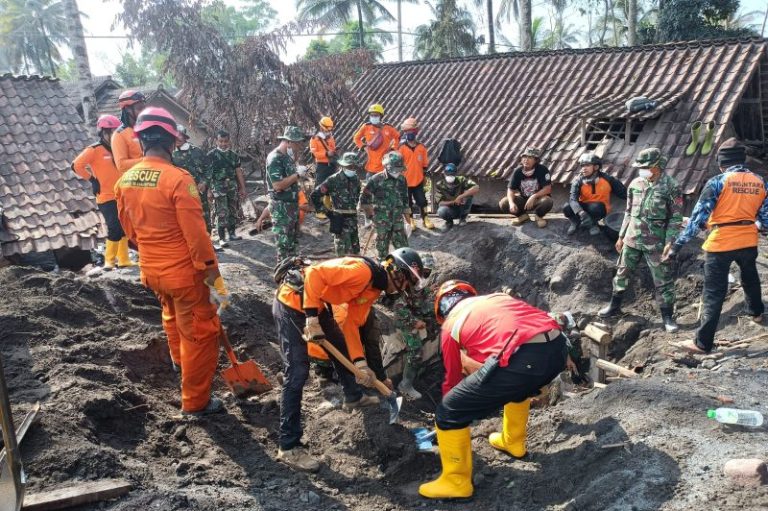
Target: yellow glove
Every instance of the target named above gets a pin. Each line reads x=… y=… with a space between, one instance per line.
x=219 y=293
x=313 y=332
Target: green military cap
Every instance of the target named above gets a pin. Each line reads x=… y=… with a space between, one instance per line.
x=393 y=160
x=349 y=159
x=292 y=134
x=649 y=158
x=532 y=151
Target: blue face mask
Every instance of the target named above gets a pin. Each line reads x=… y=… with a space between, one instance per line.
x=349 y=173
x=410 y=137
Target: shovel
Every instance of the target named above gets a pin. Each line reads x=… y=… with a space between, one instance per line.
x=243 y=379
x=393 y=401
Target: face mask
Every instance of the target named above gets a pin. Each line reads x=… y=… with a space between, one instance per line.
x=410 y=137
x=184 y=146
x=394 y=173
x=645 y=173
x=322 y=134
x=450 y=179
x=290 y=152
x=220 y=149
x=350 y=173
x=375 y=120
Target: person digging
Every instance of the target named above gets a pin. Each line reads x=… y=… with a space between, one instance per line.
x=590 y=197
x=529 y=190
x=521 y=349
x=301 y=313
x=159 y=208
x=731 y=205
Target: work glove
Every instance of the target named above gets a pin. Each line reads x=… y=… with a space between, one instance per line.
x=366 y=378
x=95 y=185
x=302 y=171
x=219 y=293
x=313 y=332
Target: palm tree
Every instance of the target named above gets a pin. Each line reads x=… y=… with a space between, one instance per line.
x=30 y=33
x=450 y=34
x=80 y=55
x=522 y=12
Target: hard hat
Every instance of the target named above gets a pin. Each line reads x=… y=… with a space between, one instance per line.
x=449 y=294
x=376 y=109
x=326 y=123
x=408 y=262
x=410 y=124
x=590 y=159
x=109 y=122
x=649 y=158
x=154 y=116
x=130 y=97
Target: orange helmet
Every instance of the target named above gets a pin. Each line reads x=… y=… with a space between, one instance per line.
x=450 y=293
x=326 y=123
x=410 y=124
x=130 y=97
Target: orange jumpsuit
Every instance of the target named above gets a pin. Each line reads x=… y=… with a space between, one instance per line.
x=416 y=160
x=159 y=207
x=98 y=159
x=320 y=147
x=384 y=138
x=125 y=148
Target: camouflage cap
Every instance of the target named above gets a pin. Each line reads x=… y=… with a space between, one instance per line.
x=649 y=158
x=393 y=160
x=292 y=134
x=349 y=159
x=532 y=151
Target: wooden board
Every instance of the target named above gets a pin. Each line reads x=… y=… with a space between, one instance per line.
x=83 y=493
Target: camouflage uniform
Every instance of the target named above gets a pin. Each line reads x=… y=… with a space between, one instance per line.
x=389 y=197
x=222 y=166
x=419 y=306
x=652 y=219
x=284 y=205
x=194 y=161
x=344 y=192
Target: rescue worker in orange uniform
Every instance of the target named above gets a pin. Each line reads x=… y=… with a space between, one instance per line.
x=521 y=349
x=731 y=205
x=96 y=165
x=302 y=313
x=125 y=144
x=590 y=197
x=377 y=137
x=322 y=145
x=160 y=209
x=416 y=161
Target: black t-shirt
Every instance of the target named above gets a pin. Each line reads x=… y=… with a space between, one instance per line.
x=527 y=186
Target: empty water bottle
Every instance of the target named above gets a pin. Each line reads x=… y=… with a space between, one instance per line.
x=734 y=416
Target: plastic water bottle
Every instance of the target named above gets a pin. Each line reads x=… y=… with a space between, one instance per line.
x=734 y=416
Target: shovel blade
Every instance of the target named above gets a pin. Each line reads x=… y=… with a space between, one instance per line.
x=394 y=402
x=246 y=379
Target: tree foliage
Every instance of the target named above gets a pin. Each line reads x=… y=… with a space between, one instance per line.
x=450 y=34
x=147 y=69
x=243 y=87
x=348 y=40
x=30 y=34
x=687 y=20
x=235 y=24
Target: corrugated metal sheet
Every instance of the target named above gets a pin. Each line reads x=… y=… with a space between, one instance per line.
x=45 y=206
x=498 y=105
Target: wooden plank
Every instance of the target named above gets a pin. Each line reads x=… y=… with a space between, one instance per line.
x=622 y=371
x=21 y=431
x=598 y=334
x=83 y=493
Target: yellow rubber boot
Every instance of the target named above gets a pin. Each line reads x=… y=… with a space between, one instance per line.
x=428 y=223
x=110 y=253
x=123 y=258
x=455 y=482
x=514 y=429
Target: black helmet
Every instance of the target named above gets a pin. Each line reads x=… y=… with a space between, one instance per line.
x=408 y=262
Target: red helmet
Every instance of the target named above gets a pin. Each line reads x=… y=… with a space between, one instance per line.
x=109 y=122
x=154 y=116
x=130 y=97
x=450 y=293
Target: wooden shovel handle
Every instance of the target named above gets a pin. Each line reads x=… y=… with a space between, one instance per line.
x=352 y=367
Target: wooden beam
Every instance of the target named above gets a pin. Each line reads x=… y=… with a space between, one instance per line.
x=597 y=334
x=622 y=371
x=83 y=493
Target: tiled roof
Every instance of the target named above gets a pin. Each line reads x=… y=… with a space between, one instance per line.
x=45 y=206
x=498 y=105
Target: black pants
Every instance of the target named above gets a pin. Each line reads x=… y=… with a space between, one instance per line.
x=543 y=205
x=416 y=195
x=323 y=171
x=109 y=212
x=716 y=269
x=370 y=336
x=596 y=210
x=290 y=325
x=529 y=369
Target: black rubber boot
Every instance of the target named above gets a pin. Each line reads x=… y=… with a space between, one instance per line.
x=612 y=308
x=233 y=236
x=667 y=317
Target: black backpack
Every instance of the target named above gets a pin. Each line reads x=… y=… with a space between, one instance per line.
x=451 y=152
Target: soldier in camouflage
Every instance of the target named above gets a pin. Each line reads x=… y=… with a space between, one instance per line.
x=193 y=160
x=283 y=177
x=652 y=219
x=385 y=200
x=226 y=183
x=343 y=189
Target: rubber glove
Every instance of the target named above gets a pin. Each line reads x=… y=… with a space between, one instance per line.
x=219 y=293
x=313 y=332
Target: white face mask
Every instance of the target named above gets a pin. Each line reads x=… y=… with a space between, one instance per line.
x=184 y=146
x=450 y=179
x=375 y=120
x=322 y=134
x=349 y=173
x=290 y=152
x=394 y=173
x=645 y=173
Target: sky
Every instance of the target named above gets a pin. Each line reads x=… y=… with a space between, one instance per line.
x=105 y=44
